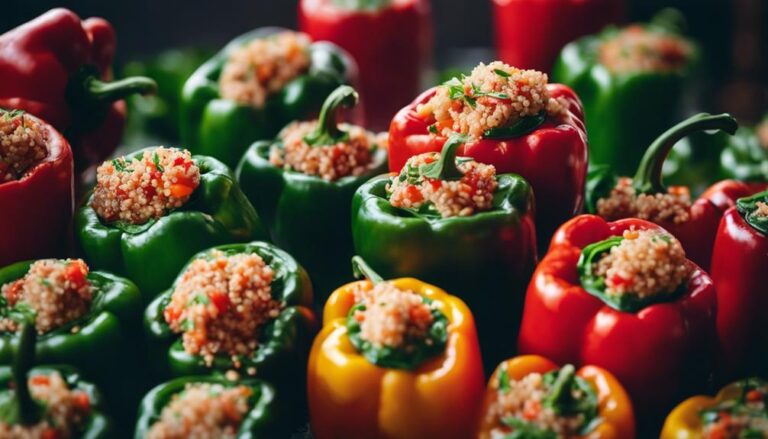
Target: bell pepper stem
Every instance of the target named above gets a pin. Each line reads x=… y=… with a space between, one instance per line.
x=561 y=389
x=361 y=5
x=445 y=168
x=22 y=363
x=362 y=269
x=648 y=179
x=328 y=131
x=86 y=89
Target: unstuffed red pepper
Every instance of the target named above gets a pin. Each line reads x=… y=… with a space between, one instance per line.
x=515 y=121
x=739 y=264
x=644 y=196
x=58 y=68
x=531 y=397
x=391 y=58
x=36 y=188
x=623 y=296
x=422 y=379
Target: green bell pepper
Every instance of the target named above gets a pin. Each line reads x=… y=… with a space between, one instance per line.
x=624 y=112
x=17 y=406
x=284 y=343
x=483 y=258
x=152 y=254
x=745 y=156
x=261 y=421
x=223 y=128
x=306 y=214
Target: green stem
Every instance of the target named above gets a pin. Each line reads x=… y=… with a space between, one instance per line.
x=85 y=89
x=362 y=269
x=328 y=131
x=361 y=5
x=445 y=168
x=23 y=361
x=648 y=178
x=560 y=394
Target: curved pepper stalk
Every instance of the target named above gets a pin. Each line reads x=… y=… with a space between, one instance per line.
x=328 y=131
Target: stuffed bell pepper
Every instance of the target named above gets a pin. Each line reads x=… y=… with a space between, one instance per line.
x=209 y=407
x=153 y=209
x=48 y=402
x=240 y=307
x=257 y=84
x=36 y=188
x=738 y=411
x=631 y=81
x=515 y=121
x=456 y=223
x=745 y=156
x=395 y=359
x=87 y=319
x=644 y=196
x=59 y=68
x=623 y=296
x=302 y=185
x=531 y=397
x=393 y=55
x=739 y=264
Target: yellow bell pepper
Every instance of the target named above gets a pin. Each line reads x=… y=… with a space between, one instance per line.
x=614 y=408
x=349 y=397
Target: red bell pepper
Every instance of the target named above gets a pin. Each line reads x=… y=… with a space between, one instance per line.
x=552 y=158
x=530 y=33
x=54 y=67
x=739 y=264
x=724 y=194
x=656 y=351
x=37 y=208
x=391 y=40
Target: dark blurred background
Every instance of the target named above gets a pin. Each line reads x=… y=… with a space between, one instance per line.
x=734 y=34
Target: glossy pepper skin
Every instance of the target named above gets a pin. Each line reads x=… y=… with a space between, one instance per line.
x=697 y=234
x=482 y=257
x=739 y=264
x=557 y=23
x=624 y=112
x=221 y=128
x=281 y=356
x=656 y=352
x=391 y=61
x=552 y=158
x=617 y=418
x=260 y=422
x=744 y=157
x=351 y=398
x=57 y=67
x=217 y=213
x=37 y=208
x=306 y=214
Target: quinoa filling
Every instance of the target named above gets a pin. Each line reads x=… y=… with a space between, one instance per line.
x=754 y=209
x=637 y=49
x=635 y=269
x=396 y=328
x=263 y=67
x=221 y=303
x=624 y=202
x=415 y=190
x=137 y=190
x=743 y=417
x=55 y=291
x=22 y=145
x=350 y=156
x=557 y=404
x=490 y=102
x=761 y=131
x=203 y=410
x=66 y=410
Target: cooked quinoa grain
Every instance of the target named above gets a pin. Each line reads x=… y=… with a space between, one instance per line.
x=263 y=67
x=221 y=302
x=646 y=263
x=330 y=162
x=762 y=133
x=138 y=190
x=464 y=197
x=392 y=317
x=66 y=410
x=494 y=95
x=22 y=145
x=624 y=202
x=203 y=411
x=762 y=209
x=637 y=49
x=56 y=290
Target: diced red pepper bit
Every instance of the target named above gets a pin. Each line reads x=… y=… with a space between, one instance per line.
x=76 y=272
x=754 y=395
x=51 y=433
x=39 y=380
x=220 y=301
x=171 y=314
x=617 y=280
x=82 y=400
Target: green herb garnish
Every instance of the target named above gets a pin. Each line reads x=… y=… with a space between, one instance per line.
x=502 y=73
x=121 y=165
x=156 y=162
x=504 y=384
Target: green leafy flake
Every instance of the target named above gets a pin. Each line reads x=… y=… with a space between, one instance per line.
x=121 y=165
x=156 y=161
x=201 y=299
x=432 y=129
x=504 y=384
x=187 y=325
x=526 y=430
x=502 y=73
